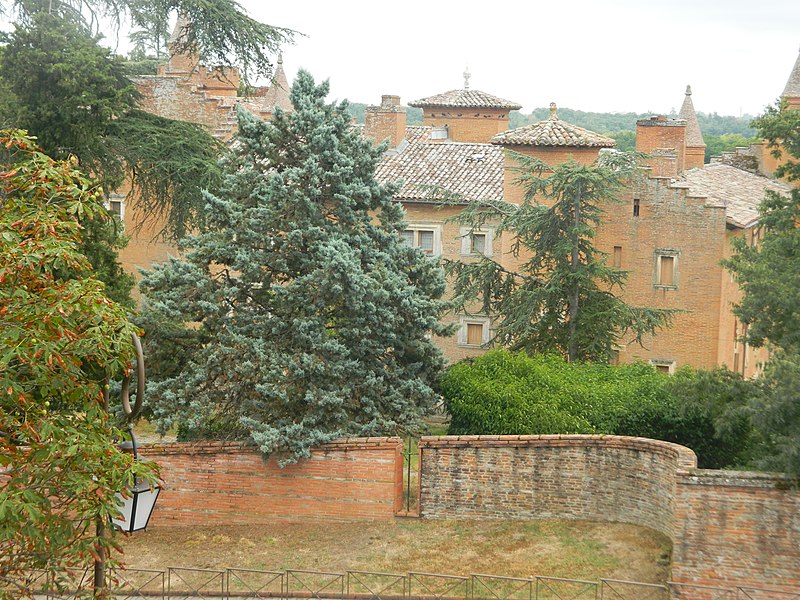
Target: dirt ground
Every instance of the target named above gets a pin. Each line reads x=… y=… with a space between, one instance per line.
x=569 y=549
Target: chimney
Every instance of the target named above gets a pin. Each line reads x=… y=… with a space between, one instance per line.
x=665 y=140
x=387 y=121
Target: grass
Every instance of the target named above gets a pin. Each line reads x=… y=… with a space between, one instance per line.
x=569 y=549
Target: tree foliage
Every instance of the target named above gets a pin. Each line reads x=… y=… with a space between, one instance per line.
x=561 y=299
x=711 y=124
x=504 y=393
x=219 y=31
x=60 y=340
x=769 y=275
x=76 y=98
x=314 y=315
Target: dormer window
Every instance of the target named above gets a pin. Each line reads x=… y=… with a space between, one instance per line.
x=439 y=133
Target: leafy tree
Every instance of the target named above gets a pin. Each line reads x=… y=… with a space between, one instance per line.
x=769 y=275
x=76 y=98
x=780 y=127
x=561 y=298
x=317 y=315
x=60 y=340
x=626 y=140
x=717 y=144
x=219 y=32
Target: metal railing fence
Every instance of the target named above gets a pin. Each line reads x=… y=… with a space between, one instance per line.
x=179 y=583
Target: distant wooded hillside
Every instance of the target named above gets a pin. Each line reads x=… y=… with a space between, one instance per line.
x=721 y=133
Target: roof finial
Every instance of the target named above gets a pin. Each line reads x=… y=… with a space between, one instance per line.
x=553 y=111
x=280 y=58
x=466 y=78
x=688 y=90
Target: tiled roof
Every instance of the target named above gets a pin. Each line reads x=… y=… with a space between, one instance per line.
x=552 y=132
x=418 y=133
x=465 y=99
x=694 y=137
x=739 y=191
x=469 y=171
x=792 y=89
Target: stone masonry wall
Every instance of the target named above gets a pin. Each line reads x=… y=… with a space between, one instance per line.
x=225 y=483
x=735 y=527
x=728 y=528
x=603 y=478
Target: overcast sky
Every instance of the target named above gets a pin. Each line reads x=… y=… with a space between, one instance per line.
x=592 y=55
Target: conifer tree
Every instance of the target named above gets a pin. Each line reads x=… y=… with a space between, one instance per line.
x=311 y=317
x=562 y=297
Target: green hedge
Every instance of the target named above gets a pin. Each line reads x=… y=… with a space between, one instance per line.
x=506 y=393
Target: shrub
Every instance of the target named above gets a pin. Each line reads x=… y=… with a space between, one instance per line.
x=507 y=393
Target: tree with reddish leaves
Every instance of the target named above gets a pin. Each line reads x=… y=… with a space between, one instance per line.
x=61 y=340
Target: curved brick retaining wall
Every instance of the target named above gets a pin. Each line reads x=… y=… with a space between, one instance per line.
x=728 y=528
x=604 y=478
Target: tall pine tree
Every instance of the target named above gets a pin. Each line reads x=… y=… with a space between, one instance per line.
x=562 y=298
x=311 y=317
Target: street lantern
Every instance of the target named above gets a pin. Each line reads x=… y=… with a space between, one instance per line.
x=137 y=501
x=137 y=504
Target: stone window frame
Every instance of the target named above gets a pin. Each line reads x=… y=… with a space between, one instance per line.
x=466 y=320
x=675 y=255
x=437 y=235
x=670 y=363
x=119 y=200
x=466 y=234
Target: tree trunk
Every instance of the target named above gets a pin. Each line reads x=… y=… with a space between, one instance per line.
x=572 y=346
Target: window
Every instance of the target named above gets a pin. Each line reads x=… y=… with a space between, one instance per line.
x=617 y=257
x=426 y=238
x=474 y=334
x=474 y=331
x=439 y=133
x=635 y=207
x=666 y=275
x=664 y=365
x=116 y=206
x=476 y=241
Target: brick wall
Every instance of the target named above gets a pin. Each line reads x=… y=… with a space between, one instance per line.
x=603 y=478
x=737 y=527
x=671 y=221
x=472 y=125
x=225 y=483
x=728 y=528
x=660 y=133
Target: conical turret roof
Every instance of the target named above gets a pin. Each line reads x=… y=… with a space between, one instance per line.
x=553 y=132
x=181 y=30
x=694 y=137
x=792 y=89
x=278 y=93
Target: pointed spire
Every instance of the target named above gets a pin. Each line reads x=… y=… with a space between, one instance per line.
x=278 y=92
x=553 y=112
x=792 y=89
x=694 y=137
x=181 y=31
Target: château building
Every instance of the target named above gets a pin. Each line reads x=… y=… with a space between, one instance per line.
x=669 y=230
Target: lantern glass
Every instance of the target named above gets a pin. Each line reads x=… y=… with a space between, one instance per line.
x=135 y=510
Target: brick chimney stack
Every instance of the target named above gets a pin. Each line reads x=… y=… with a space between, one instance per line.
x=665 y=140
x=386 y=122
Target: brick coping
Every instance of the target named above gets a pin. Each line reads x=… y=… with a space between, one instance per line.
x=685 y=457
x=217 y=447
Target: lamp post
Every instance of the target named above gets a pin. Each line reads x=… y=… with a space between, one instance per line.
x=138 y=501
